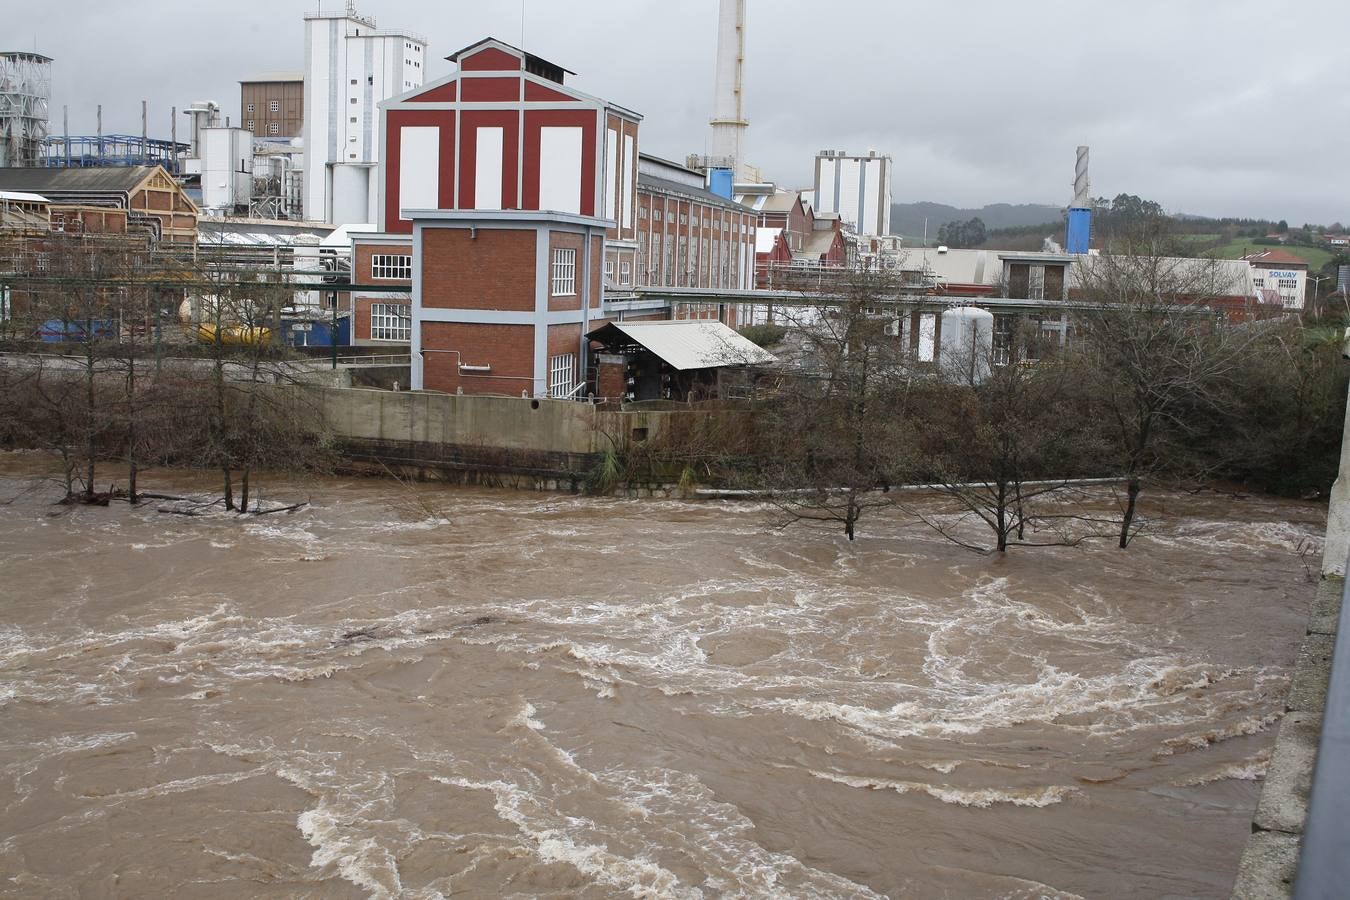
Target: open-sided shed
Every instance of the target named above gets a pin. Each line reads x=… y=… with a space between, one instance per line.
x=669 y=360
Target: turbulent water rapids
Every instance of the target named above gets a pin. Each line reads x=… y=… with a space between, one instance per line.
x=486 y=693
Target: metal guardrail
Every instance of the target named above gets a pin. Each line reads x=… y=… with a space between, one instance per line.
x=1324 y=863
x=384 y=359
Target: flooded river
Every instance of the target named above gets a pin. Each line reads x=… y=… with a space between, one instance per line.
x=488 y=693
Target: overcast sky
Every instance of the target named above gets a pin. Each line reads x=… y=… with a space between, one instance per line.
x=1208 y=107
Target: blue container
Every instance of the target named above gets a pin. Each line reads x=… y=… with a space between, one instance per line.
x=1078 y=233
x=720 y=182
x=317 y=332
x=57 y=331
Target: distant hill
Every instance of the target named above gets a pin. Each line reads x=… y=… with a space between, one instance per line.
x=907 y=218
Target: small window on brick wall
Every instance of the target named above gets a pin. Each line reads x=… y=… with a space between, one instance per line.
x=384 y=265
x=390 y=322
x=564 y=272
x=562 y=374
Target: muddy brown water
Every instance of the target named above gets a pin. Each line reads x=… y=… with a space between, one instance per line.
x=488 y=693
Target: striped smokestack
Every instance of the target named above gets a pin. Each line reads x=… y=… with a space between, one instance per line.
x=1082 y=187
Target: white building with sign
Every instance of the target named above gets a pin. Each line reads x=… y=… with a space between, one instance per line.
x=1281 y=272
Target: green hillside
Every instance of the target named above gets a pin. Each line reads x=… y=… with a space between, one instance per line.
x=1316 y=257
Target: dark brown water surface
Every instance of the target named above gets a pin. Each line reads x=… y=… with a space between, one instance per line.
x=488 y=693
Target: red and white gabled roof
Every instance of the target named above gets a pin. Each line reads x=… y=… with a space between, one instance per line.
x=501 y=58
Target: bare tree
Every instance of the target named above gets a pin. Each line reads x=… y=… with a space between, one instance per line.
x=834 y=437
x=1152 y=350
x=999 y=436
x=257 y=414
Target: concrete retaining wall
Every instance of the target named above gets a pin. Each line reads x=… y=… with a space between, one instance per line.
x=1271 y=858
x=551 y=441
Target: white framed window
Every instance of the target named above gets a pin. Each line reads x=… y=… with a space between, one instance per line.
x=609 y=269
x=274 y=106
x=250 y=107
x=390 y=322
x=388 y=265
x=249 y=124
x=273 y=128
x=564 y=272
x=625 y=272
x=562 y=377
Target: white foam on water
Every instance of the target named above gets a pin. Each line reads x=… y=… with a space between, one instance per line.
x=359 y=860
x=1252 y=769
x=182 y=785
x=977 y=797
x=638 y=876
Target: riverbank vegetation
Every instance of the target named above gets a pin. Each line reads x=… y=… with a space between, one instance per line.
x=109 y=398
x=1139 y=385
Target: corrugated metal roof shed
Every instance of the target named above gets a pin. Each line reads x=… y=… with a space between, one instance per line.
x=688 y=344
x=48 y=181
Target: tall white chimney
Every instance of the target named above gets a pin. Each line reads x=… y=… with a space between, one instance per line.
x=728 y=121
x=1082 y=186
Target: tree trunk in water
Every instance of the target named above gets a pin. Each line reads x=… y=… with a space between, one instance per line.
x=1001 y=518
x=1132 y=495
x=90 y=434
x=243 y=491
x=131 y=427
x=229 y=489
x=89 y=471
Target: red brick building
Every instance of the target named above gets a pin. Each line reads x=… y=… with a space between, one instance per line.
x=509 y=204
x=688 y=236
x=504 y=197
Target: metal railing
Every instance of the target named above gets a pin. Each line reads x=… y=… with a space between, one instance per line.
x=1324 y=863
x=385 y=359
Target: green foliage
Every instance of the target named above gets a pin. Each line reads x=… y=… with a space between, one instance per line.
x=1280 y=430
x=605 y=475
x=688 y=482
x=970 y=233
x=763 y=335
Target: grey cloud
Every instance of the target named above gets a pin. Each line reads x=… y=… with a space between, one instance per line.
x=1225 y=109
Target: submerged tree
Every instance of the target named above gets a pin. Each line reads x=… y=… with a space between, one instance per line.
x=1153 y=352
x=834 y=438
x=257 y=413
x=1001 y=437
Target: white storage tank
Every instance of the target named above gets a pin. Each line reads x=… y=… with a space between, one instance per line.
x=227 y=168
x=967 y=350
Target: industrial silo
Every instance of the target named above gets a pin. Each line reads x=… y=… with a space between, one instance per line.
x=967 y=348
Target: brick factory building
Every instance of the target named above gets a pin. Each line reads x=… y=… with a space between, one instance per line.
x=518 y=215
x=273 y=105
x=112 y=199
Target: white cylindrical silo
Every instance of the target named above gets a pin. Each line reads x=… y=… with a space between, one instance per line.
x=967 y=348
